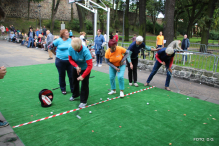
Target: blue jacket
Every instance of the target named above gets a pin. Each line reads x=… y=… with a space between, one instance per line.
x=98 y=43
x=185 y=44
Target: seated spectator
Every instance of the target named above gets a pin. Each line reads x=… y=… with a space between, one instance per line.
x=44 y=43
x=37 y=32
x=19 y=38
x=36 y=41
x=14 y=37
x=24 y=40
x=11 y=36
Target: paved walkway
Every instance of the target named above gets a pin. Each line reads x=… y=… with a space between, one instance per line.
x=12 y=54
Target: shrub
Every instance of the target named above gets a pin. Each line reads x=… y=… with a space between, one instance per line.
x=73 y=25
x=214 y=35
x=57 y=24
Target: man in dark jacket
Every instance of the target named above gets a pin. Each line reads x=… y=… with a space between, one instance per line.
x=44 y=31
x=185 y=45
x=31 y=36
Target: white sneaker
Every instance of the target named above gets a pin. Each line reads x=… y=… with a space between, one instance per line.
x=121 y=94
x=130 y=84
x=112 y=92
x=71 y=98
x=99 y=65
x=82 y=105
x=136 y=84
x=96 y=65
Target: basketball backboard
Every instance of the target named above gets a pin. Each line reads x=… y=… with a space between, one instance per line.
x=73 y=1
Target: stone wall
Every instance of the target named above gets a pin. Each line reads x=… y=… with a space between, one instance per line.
x=201 y=76
x=19 y=9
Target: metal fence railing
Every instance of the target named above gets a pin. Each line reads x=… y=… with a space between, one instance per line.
x=192 y=58
x=197 y=60
x=198 y=47
x=213 y=49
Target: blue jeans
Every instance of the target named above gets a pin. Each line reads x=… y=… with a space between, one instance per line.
x=63 y=66
x=99 y=59
x=30 y=40
x=185 y=56
x=112 y=74
x=159 y=46
x=157 y=65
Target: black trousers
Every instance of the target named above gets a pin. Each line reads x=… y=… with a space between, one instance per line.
x=84 y=86
x=132 y=73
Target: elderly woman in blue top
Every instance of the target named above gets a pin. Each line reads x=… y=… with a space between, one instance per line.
x=80 y=58
x=62 y=62
x=132 y=60
x=99 y=43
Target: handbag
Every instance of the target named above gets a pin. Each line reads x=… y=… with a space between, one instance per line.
x=102 y=52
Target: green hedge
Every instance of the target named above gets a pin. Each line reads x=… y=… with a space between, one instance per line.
x=214 y=35
x=149 y=27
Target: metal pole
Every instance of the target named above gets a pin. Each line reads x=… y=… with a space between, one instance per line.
x=123 y=27
x=40 y=19
x=95 y=23
x=107 y=27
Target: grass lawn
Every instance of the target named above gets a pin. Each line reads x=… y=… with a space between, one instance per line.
x=168 y=118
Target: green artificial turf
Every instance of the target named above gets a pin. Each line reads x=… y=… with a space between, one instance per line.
x=169 y=117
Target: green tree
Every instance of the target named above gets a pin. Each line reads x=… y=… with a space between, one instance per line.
x=195 y=10
x=153 y=9
x=142 y=18
x=169 y=21
x=72 y=17
x=81 y=16
x=127 y=21
x=208 y=20
x=55 y=5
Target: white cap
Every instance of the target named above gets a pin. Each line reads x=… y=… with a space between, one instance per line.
x=169 y=50
x=139 y=39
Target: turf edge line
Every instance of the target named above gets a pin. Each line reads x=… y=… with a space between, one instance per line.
x=56 y=115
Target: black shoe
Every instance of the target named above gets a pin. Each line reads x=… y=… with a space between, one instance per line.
x=50 y=58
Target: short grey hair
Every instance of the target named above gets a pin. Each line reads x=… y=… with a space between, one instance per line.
x=76 y=43
x=139 y=39
x=169 y=50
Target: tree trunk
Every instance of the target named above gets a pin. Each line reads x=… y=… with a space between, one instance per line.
x=136 y=15
x=54 y=11
x=142 y=18
x=127 y=21
x=208 y=21
x=81 y=17
x=52 y=16
x=72 y=13
x=28 y=10
x=169 y=21
x=189 y=30
x=113 y=8
x=154 y=19
x=115 y=15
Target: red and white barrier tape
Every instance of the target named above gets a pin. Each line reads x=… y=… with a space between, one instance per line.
x=78 y=108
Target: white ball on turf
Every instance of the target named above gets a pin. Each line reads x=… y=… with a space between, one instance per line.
x=147 y=103
x=100 y=98
x=51 y=113
x=90 y=112
x=187 y=98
